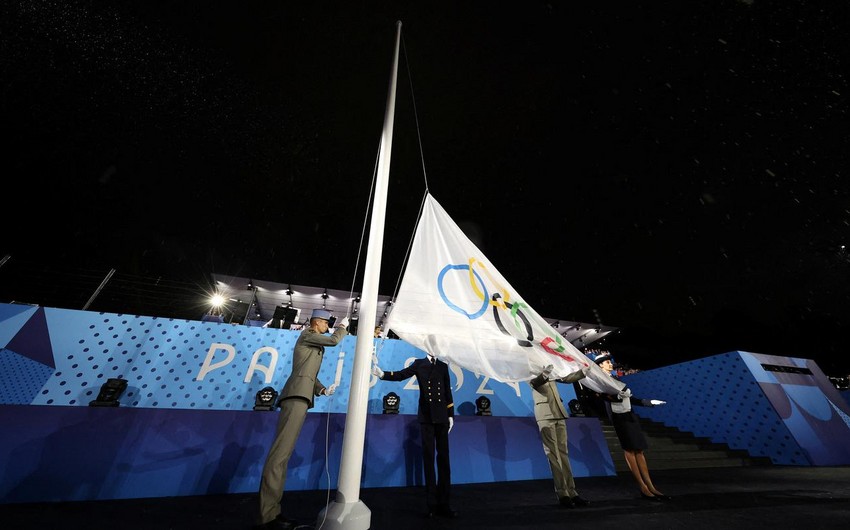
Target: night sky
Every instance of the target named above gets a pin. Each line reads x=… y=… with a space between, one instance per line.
x=674 y=169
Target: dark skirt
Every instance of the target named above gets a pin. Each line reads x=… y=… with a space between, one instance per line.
x=629 y=432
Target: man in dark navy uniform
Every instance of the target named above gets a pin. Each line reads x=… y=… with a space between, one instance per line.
x=436 y=419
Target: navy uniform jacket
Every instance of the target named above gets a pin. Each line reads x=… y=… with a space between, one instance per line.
x=436 y=404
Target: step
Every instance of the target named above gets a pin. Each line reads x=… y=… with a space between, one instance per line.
x=671 y=448
x=693 y=463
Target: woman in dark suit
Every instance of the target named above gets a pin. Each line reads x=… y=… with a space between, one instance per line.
x=629 y=433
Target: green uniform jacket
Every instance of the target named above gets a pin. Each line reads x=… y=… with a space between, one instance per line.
x=303 y=382
x=547 y=400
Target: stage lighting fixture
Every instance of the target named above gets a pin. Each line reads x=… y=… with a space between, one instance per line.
x=391 y=403
x=216 y=301
x=482 y=407
x=575 y=407
x=109 y=393
x=284 y=317
x=265 y=399
x=215 y=314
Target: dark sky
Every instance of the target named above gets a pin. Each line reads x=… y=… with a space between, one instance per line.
x=675 y=169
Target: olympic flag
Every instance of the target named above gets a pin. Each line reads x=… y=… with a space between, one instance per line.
x=454 y=304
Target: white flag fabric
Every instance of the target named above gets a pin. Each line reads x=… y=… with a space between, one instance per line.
x=455 y=305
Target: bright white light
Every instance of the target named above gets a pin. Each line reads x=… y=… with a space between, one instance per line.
x=217 y=300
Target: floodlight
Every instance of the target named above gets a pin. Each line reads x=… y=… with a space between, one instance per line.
x=391 y=403
x=482 y=407
x=265 y=399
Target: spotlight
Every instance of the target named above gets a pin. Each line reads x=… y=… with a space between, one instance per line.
x=217 y=300
x=482 y=407
x=109 y=393
x=325 y=295
x=265 y=399
x=391 y=403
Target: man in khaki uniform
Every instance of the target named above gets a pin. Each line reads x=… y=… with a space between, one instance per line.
x=551 y=421
x=295 y=399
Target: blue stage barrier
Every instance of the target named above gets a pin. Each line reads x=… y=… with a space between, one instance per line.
x=53 y=453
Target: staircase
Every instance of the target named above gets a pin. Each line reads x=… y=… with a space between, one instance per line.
x=670 y=448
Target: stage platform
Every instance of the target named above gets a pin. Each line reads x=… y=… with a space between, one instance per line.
x=731 y=498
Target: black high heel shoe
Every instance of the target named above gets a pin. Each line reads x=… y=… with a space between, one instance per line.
x=654 y=498
x=663 y=497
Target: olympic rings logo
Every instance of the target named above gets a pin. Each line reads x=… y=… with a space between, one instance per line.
x=521 y=329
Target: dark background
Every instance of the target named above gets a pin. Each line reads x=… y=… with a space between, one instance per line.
x=675 y=169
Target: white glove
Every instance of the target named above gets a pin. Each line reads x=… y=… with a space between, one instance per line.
x=451 y=423
x=585 y=370
x=329 y=391
x=376 y=371
x=343 y=323
x=547 y=371
x=657 y=402
x=625 y=393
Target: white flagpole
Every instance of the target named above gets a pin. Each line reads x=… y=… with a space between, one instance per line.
x=348 y=511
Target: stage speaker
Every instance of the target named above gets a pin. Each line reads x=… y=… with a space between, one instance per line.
x=284 y=317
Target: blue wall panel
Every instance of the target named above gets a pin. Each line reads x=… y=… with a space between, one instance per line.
x=793 y=418
x=185 y=364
